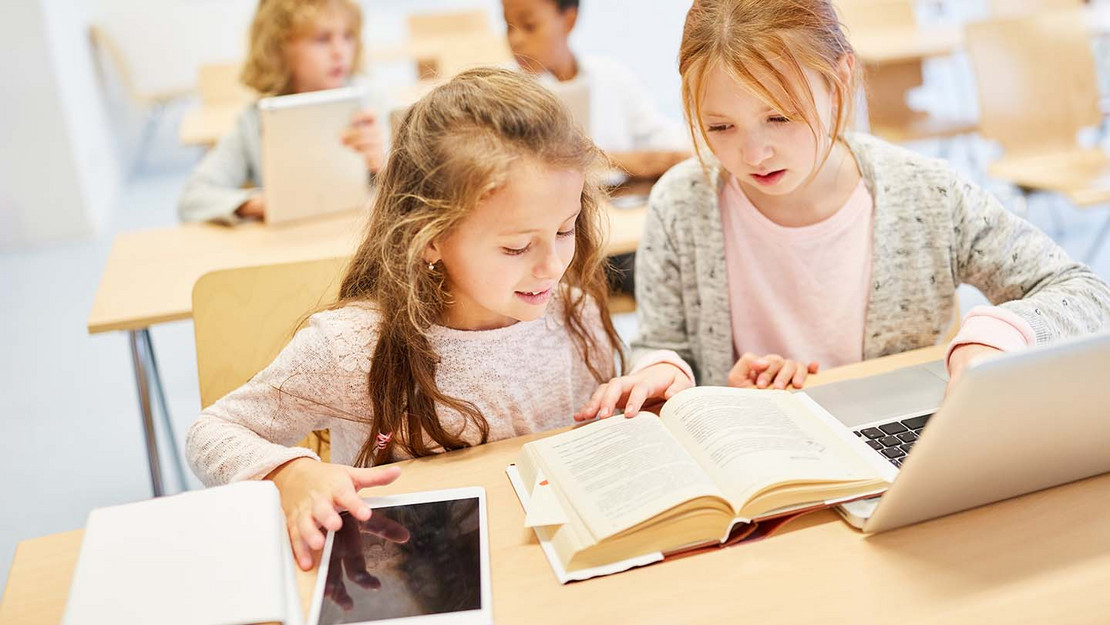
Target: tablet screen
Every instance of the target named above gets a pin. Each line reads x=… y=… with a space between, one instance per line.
x=406 y=560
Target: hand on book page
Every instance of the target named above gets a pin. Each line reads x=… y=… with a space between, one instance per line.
x=770 y=371
x=349 y=540
x=644 y=390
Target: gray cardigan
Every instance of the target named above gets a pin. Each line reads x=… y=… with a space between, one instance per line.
x=932 y=231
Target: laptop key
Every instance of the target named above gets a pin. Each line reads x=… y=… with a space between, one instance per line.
x=876 y=445
x=893 y=428
x=873 y=432
x=896 y=462
x=890 y=441
x=916 y=423
x=893 y=452
x=858 y=433
x=907 y=437
x=906 y=447
x=918 y=431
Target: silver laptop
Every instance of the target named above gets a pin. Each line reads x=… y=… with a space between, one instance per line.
x=306 y=169
x=1013 y=425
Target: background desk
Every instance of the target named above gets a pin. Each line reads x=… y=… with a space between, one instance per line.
x=150 y=274
x=1040 y=558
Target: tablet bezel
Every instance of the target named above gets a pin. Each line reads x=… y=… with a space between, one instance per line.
x=481 y=616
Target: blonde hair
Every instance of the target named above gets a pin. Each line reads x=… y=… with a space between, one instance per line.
x=276 y=22
x=750 y=37
x=454 y=148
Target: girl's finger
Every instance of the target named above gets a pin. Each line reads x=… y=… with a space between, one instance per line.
x=681 y=383
x=589 y=411
x=813 y=366
x=799 y=379
x=300 y=550
x=310 y=533
x=325 y=515
x=789 y=368
x=636 y=398
x=349 y=500
x=768 y=374
x=368 y=477
x=611 y=397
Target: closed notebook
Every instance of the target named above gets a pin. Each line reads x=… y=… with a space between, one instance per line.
x=718 y=466
x=211 y=557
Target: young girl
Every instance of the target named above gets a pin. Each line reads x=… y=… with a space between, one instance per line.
x=623 y=120
x=295 y=46
x=474 y=310
x=802 y=240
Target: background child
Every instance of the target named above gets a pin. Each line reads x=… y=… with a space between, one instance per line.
x=475 y=311
x=623 y=119
x=802 y=240
x=295 y=46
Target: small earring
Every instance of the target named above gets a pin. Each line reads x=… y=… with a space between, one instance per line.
x=431 y=266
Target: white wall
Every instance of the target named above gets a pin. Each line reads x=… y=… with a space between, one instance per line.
x=58 y=175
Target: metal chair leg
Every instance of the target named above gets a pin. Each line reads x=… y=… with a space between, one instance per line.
x=142 y=379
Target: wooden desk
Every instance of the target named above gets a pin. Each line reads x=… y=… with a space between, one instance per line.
x=910 y=43
x=1040 y=558
x=150 y=274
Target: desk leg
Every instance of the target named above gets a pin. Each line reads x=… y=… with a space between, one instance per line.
x=139 y=357
x=156 y=381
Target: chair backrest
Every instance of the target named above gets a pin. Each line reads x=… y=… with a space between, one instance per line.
x=218 y=83
x=1018 y=8
x=1036 y=80
x=243 y=317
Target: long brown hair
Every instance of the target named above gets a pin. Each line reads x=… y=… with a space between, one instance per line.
x=747 y=37
x=275 y=23
x=453 y=148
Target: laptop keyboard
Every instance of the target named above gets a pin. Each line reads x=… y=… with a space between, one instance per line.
x=894 y=440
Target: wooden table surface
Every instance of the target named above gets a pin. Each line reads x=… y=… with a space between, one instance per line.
x=149 y=276
x=1041 y=558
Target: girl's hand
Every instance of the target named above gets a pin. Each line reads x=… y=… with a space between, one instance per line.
x=659 y=381
x=312 y=495
x=365 y=137
x=964 y=355
x=753 y=371
x=253 y=208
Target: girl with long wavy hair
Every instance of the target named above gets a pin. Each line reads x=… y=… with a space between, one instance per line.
x=474 y=310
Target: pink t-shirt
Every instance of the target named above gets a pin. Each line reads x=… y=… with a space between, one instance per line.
x=798 y=292
x=802 y=292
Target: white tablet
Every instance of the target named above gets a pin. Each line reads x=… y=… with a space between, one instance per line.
x=422 y=558
x=306 y=169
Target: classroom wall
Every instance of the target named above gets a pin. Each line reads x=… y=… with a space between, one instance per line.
x=59 y=178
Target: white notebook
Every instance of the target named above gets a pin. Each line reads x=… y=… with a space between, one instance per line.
x=211 y=557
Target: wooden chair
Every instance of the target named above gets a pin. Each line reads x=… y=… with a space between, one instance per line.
x=888 y=82
x=1037 y=90
x=218 y=83
x=243 y=317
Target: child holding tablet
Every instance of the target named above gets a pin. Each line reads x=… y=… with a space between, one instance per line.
x=296 y=46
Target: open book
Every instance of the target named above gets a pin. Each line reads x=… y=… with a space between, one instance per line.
x=716 y=462
x=209 y=557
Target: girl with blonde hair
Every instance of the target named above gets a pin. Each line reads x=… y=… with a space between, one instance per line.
x=474 y=310
x=797 y=239
x=296 y=46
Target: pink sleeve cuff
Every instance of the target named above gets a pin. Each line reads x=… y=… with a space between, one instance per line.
x=994 y=327
x=663 y=356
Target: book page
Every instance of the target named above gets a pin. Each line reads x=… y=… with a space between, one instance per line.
x=620 y=472
x=747 y=440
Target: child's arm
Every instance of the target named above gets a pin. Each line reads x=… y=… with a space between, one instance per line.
x=1022 y=270
x=659 y=306
x=214 y=192
x=251 y=431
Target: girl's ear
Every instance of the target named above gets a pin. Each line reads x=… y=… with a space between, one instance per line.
x=845 y=66
x=570 y=18
x=431 y=254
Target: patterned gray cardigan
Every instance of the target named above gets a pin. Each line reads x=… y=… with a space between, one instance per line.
x=932 y=231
